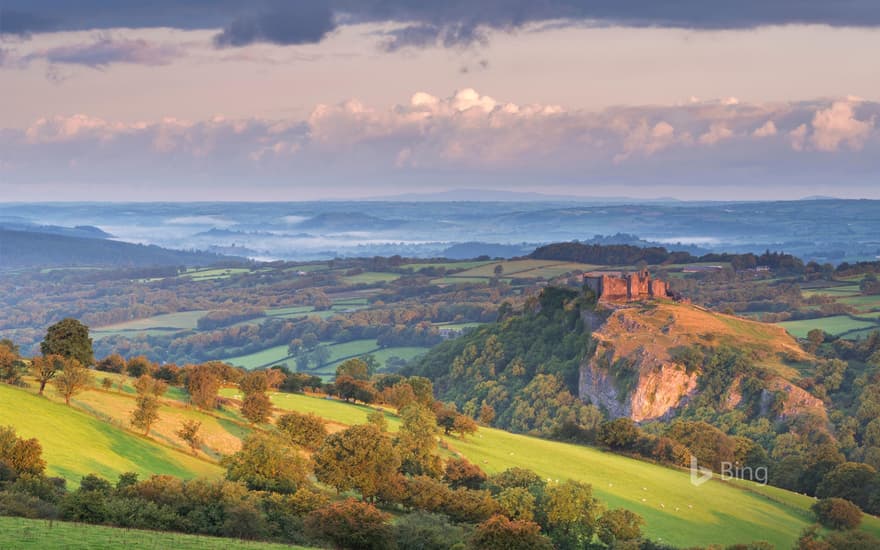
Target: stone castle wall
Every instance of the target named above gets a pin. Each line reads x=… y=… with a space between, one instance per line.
x=625 y=288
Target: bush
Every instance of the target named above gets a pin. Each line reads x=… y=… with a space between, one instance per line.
x=425 y=531
x=351 y=524
x=837 y=513
x=500 y=533
x=619 y=434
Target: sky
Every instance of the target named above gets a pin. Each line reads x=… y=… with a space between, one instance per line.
x=340 y=99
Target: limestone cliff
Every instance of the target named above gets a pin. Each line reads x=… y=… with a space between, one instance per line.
x=633 y=373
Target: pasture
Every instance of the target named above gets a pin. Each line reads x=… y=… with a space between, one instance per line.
x=75 y=443
x=20 y=533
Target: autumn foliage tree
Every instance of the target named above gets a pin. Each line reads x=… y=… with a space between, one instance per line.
x=72 y=380
x=203 y=384
x=307 y=430
x=18 y=455
x=352 y=524
x=501 y=533
x=266 y=462
x=189 y=433
x=360 y=458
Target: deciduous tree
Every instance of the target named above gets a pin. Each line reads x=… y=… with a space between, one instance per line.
x=72 y=380
x=69 y=338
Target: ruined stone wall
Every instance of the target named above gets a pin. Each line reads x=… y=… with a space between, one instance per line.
x=614 y=288
x=658 y=289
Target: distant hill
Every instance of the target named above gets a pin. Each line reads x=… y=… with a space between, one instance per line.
x=19 y=249
x=466 y=251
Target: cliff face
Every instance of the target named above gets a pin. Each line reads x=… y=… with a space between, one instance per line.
x=632 y=373
x=642 y=388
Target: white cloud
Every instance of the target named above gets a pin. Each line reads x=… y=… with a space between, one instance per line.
x=766 y=130
x=836 y=125
x=463 y=133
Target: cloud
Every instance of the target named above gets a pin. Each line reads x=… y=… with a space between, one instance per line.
x=766 y=130
x=451 y=23
x=464 y=135
x=836 y=125
x=107 y=51
x=292 y=23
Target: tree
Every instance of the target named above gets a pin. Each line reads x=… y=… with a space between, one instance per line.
x=815 y=338
x=427 y=531
x=257 y=408
x=146 y=412
x=570 y=512
x=72 y=380
x=44 y=369
x=139 y=366
x=203 y=384
x=619 y=525
x=112 y=363
x=356 y=368
x=254 y=382
x=69 y=338
x=500 y=533
x=19 y=456
x=517 y=503
x=11 y=365
x=147 y=385
x=351 y=524
x=837 y=513
x=417 y=441
x=377 y=418
x=360 y=457
x=619 y=434
x=307 y=430
x=462 y=473
x=267 y=463
x=487 y=414
x=189 y=433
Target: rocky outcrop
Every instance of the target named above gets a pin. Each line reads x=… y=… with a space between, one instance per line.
x=633 y=372
x=641 y=388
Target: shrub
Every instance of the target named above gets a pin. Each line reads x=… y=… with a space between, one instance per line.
x=837 y=513
x=351 y=524
x=500 y=533
x=425 y=531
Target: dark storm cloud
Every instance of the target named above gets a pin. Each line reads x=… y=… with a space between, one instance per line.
x=446 y=22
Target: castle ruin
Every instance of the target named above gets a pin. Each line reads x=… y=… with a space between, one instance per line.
x=625 y=287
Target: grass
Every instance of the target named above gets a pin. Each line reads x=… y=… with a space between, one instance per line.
x=446 y=265
x=16 y=533
x=183 y=320
x=214 y=273
x=266 y=357
x=75 y=443
x=835 y=325
x=371 y=277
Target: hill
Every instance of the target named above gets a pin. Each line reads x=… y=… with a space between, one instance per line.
x=75 y=443
x=21 y=249
x=643 y=366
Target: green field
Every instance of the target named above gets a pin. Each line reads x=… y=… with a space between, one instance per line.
x=446 y=265
x=836 y=325
x=675 y=510
x=268 y=356
x=183 y=320
x=76 y=444
x=338 y=353
x=18 y=533
x=214 y=273
x=370 y=278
